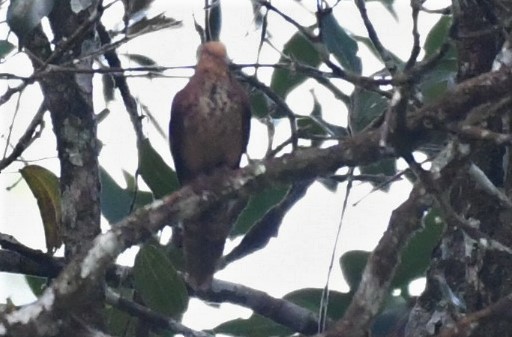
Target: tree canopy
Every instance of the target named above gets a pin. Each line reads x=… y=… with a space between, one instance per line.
x=444 y=110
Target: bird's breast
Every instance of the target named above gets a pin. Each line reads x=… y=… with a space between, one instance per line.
x=214 y=130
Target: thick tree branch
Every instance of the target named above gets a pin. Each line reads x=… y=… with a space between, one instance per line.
x=87 y=268
x=381 y=266
x=279 y=310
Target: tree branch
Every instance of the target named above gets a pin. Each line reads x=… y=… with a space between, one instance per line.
x=87 y=268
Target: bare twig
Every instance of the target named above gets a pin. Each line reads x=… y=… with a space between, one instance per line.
x=372 y=33
x=25 y=140
x=122 y=85
x=415 y=5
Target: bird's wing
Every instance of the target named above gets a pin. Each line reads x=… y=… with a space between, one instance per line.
x=177 y=133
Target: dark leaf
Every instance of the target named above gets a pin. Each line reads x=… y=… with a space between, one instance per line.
x=24 y=15
x=5 y=48
x=442 y=76
x=297 y=49
x=384 y=168
x=120 y=323
x=259 y=104
x=158 y=283
x=438 y=80
x=308 y=128
x=141 y=59
x=37 y=284
x=338 y=42
x=254 y=326
x=45 y=188
x=352 y=265
x=116 y=201
x=309 y=298
x=135 y=6
x=365 y=107
x=160 y=178
x=258 y=205
x=416 y=255
x=437 y=35
x=151 y=25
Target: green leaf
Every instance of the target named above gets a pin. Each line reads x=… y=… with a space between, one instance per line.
x=308 y=128
x=160 y=178
x=417 y=254
x=153 y=24
x=158 y=283
x=5 y=48
x=141 y=59
x=259 y=104
x=338 y=42
x=438 y=80
x=117 y=201
x=352 y=265
x=254 y=326
x=258 y=205
x=298 y=49
x=119 y=323
x=437 y=35
x=385 y=168
x=45 y=188
x=37 y=284
x=24 y=15
x=366 y=105
x=309 y=298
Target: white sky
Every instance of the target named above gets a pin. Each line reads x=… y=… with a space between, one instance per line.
x=299 y=257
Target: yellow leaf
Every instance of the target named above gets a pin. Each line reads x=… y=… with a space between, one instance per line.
x=45 y=188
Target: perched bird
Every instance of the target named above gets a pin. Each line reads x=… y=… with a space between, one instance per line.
x=209 y=129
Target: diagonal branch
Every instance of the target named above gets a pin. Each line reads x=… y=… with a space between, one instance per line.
x=381 y=266
x=88 y=267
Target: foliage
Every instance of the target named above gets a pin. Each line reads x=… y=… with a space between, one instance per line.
x=326 y=52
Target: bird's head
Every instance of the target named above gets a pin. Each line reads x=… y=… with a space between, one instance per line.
x=212 y=57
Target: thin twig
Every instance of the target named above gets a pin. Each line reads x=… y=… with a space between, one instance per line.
x=25 y=140
x=385 y=55
x=122 y=85
x=415 y=51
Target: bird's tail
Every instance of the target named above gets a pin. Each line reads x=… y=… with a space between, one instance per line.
x=204 y=239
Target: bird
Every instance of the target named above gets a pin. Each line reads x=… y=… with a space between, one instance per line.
x=208 y=130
